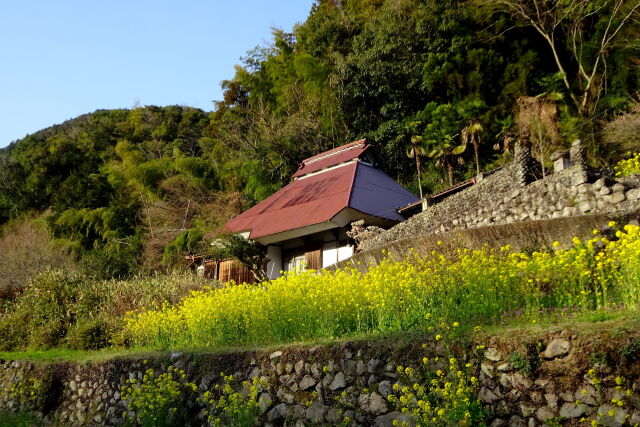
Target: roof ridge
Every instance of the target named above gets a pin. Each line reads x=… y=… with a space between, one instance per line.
x=334 y=151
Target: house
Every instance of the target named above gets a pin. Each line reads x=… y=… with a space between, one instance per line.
x=305 y=224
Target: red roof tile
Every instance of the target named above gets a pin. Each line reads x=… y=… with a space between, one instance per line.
x=319 y=198
x=336 y=156
x=303 y=202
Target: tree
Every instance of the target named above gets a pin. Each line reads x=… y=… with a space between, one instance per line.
x=247 y=251
x=471 y=133
x=416 y=151
x=581 y=35
x=444 y=125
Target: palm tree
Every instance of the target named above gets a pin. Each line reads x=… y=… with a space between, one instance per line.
x=415 y=152
x=471 y=133
x=445 y=152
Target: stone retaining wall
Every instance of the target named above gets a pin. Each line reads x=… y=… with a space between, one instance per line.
x=558 y=377
x=501 y=198
x=521 y=236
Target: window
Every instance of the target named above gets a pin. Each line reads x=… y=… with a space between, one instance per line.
x=296 y=263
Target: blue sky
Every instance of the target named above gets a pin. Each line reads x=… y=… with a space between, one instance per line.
x=60 y=59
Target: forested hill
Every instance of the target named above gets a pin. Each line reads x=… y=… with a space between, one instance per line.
x=117 y=184
x=430 y=79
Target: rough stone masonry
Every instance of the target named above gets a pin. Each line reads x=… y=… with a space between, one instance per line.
x=561 y=377
x=514 y=194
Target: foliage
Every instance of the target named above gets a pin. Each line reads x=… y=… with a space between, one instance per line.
x=472 y=287
x=248 y=252
x=233 y=408
x=29 y=394
x=28 y=249
x=158 y=399
x=121 y=186
x=525 y=364
x=19 y=419
x=438 y=395
x=61 y=309
x=584 y=34
x=621 y=135
x=187 y=242
x=115 y=183
x=628 y=166
x=632 y=350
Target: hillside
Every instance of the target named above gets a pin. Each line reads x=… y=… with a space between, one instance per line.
x=116 y=186
x=445 y=87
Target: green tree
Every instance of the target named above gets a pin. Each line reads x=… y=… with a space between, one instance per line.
x=471 y=133
x=582 y=36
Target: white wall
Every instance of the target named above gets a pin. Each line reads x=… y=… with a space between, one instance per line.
x=345 y=252
x=329 y=254
x=274 y=262
x=332 y=254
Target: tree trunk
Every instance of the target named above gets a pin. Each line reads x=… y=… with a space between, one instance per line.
x=450 y=171
x=476 y=149
x=419 y=177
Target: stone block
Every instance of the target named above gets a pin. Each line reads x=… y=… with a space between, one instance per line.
x=617 y=187
x=552 y=400
x=578 y=178
x=279 y=412
x=338 y=382
x=561 y=164
x=388 y=419
x=633 y=194
x=584 y=188
x=544 y=413
x=493 y=354
x=604 y=191
x=264 y=402
x=316 y=412
x=618 y=197
x=488 y=396
x=611 y=416
x=585 y=206
x=385 y=388
x=573 y=410
x=307 y=383
x=516 y=421
x=557 y=347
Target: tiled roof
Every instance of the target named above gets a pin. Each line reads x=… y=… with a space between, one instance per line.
x=319 y=198
x=336 y=156
x=303 y=202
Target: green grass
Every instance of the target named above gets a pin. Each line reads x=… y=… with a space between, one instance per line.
x=21 y=419
x=68 y=355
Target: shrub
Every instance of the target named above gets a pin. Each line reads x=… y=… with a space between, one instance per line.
x=440 y=395
x=159 y=399
x=66 y=309
x=629 y=166
x=92 y=334
x=233 y=408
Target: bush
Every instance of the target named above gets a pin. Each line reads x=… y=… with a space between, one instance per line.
x=159 y=399
x=28 y=249
x=92 y=334
x=66 y=309
x=233 y=408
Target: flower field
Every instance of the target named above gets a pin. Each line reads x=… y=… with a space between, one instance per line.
x=467 y=289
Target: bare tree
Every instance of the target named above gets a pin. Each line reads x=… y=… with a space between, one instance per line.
x=574 y=23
